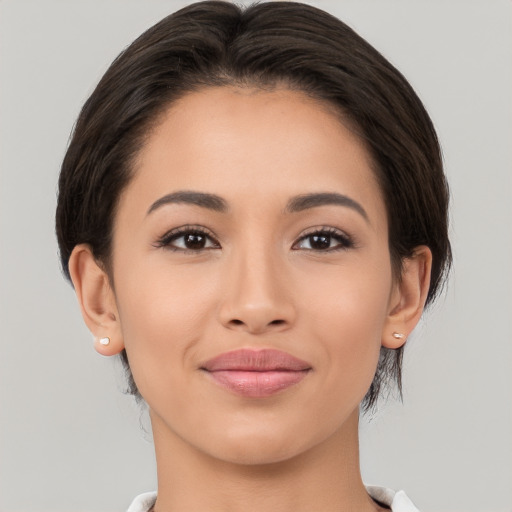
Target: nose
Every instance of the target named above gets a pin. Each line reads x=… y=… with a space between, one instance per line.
x=256 y=298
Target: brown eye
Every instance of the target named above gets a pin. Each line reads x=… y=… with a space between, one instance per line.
x=191 y=241
x=320 y=241
x=188 y=239
x=194 y=241
x=324 y=240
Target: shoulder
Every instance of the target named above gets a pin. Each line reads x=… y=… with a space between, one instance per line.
x=396 y=500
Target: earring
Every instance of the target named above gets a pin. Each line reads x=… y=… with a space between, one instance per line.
x=398 y=336
x=104 y=341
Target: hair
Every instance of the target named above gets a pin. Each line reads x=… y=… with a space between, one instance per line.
x=217 y=43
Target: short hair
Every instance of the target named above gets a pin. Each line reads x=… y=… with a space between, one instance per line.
x=217 y=43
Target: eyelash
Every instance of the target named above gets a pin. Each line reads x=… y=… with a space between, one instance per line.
x=166 y=240
x=345 y=241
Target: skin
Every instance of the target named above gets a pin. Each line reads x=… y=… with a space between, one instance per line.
x=259 y=282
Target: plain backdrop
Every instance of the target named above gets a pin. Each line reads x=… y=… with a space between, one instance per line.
x=71 y=441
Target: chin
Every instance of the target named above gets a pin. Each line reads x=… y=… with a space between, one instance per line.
x=259 y=446
x=259 y=453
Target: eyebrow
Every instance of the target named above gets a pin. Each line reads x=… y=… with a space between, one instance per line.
x=306 y=201
x=295 y=204
x=209 y=201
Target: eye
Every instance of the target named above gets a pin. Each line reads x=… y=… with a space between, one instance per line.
x=188 y=239
x=325 y=239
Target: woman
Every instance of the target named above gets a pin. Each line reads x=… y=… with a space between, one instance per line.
x=253 y=213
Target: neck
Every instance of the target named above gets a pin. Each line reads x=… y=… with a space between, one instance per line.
x=326 y=477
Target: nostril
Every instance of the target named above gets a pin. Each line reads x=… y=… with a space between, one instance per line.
x=236 y=321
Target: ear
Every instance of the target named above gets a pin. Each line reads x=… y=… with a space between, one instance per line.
x=97 y=300
x=408 y=298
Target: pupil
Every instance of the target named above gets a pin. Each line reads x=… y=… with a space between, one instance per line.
x=194 y=241
x=320 y=241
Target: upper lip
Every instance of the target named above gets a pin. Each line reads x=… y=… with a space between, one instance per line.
x=250 y=360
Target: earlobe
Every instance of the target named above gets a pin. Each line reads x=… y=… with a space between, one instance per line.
x=96 y=299
x=408 y=299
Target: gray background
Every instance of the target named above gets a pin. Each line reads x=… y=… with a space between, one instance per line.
x=70 y=440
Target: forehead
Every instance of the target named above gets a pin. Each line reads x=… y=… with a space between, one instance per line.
x=252 y=145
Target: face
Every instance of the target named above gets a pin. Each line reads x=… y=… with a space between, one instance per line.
x=252 y=273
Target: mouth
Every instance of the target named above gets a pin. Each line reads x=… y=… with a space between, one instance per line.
x=256 y=373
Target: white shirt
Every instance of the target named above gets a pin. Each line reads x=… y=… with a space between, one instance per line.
x=398 y=501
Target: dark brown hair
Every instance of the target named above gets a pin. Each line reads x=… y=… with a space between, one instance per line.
x=216 y=43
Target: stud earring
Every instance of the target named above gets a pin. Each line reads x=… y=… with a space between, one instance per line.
x=104 y=341
x=398 y=336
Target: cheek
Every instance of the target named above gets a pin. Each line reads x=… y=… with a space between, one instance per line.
x=347 y=314
x=351 y=300
x=163 y=313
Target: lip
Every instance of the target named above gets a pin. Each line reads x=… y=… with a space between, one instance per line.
x=256 y=373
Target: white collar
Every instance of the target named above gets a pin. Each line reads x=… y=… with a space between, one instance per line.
x=398 y=501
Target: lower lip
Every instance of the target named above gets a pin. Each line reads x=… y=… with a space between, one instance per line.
x=256 y=384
